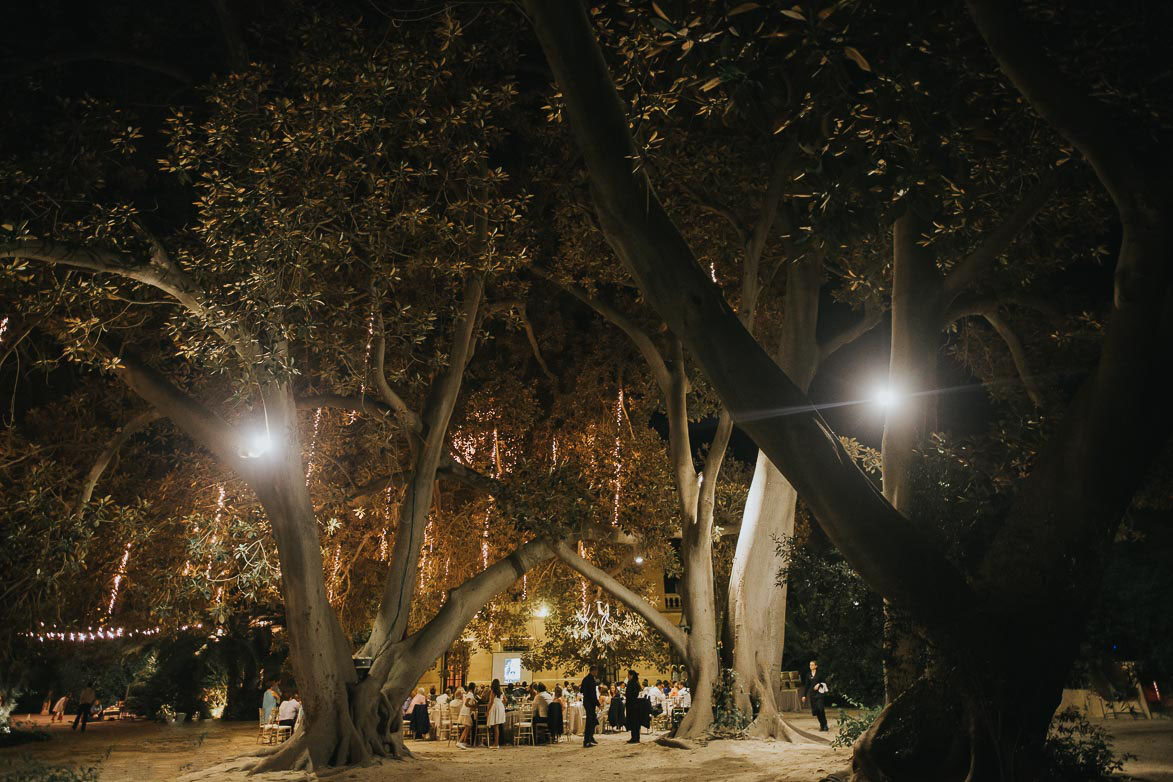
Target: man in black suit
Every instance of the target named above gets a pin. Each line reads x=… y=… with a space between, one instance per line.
x=590 y=703
x=816 y=690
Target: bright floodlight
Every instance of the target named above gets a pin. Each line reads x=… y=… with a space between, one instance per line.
x=639 y=560
x=257 y=443
x=885 y=397
x=542 y=611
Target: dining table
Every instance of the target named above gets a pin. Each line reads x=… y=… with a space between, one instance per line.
x=573 y=718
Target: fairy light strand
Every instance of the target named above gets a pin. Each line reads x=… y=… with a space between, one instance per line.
x=118 y=579
x=618 y=457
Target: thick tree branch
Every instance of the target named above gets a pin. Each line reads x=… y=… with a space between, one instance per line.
x=518 y=306
x=1017 y=353
x=679 y=439
x=204 y=426
x=895 y=558
x=672 y=634
x=872 y=315
x=710 y=204
x=448 y=468
x=463 y=603
x=161 y=273
x=971 y=268
x=533 y=343
x=755 y=246
x=642 y=341
x=359 y=404
x=1122 y=160
x=712 y=468
x=436 y=418
x=130 y=429
x=411 y=421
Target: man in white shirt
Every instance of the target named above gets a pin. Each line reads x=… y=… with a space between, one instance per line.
x=541 y=703
x=443 y=698
x=685 y=698
x=656 y=696
x=288 y=710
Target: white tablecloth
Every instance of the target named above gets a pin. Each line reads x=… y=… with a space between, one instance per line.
x=573 y=718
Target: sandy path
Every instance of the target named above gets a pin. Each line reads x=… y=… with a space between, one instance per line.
x=202 y=752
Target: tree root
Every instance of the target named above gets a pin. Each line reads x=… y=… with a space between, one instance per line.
x=674 y=743
x=793 y=735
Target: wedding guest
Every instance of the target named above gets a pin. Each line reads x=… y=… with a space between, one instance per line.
x=468 y=712
x=58 y=714
x=495 y=720
x=288 y=710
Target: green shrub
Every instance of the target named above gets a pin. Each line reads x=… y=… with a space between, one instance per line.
x=728 y=720
x=852 y=727
x=1077 y=751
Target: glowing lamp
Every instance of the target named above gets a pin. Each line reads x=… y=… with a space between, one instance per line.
x=886 y=398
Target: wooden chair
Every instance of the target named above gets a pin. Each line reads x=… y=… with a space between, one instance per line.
x=282 y=732
x=525 y=727
x=268 y=727
x=482 y=738
x=454 y=726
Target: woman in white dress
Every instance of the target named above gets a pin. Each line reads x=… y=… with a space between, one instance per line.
x=496 y=716
x=468 y=705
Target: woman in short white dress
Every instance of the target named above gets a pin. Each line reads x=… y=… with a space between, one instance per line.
x=496 y=716
x=468 y=705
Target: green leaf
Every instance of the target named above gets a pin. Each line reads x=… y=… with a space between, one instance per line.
x=857 y=58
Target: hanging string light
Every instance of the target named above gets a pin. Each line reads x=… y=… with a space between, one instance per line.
x=215 y=527
x=46 y=634
x=309 y=468
x=3 y=328
x=618 y=457
x=386 y=529
x=334 y=573
x=582 y=581
x=424 y=552
x=489 y=512
x=118 y=579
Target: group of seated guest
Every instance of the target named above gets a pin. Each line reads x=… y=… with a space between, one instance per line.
x=667 y=695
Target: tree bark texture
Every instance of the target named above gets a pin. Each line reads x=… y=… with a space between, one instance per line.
x=756 y=608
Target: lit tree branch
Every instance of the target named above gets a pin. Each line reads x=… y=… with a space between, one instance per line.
x=649 y=612
x=1017 y=353
x=970 y=270
x=638 y=336
x=130 y=429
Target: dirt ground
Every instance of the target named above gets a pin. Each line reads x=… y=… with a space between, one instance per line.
x=201 y=752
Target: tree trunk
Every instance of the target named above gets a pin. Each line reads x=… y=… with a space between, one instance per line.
x=756 y=608
x=377 y=701
x=699 y=603
x=917 y=319
x=320 y=652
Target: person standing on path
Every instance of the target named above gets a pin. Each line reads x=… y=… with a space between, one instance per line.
x=630 y=700
x=590 y=704
x=58 y=713
x=816 y=690
x=270 y=701
x=84 y=702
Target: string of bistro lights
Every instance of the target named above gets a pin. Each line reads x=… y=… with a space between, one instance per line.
x=105 y=633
